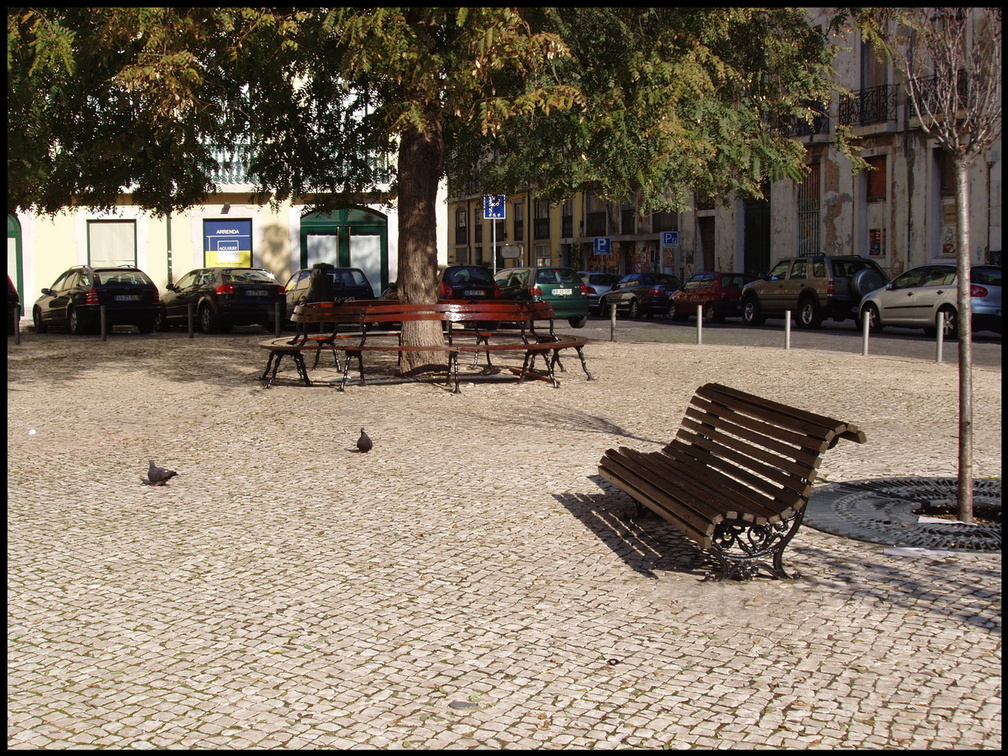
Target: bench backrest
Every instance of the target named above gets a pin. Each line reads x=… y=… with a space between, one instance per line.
x=378 y=311
x=755 y=450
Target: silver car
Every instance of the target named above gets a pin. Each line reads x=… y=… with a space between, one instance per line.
x=598 y=284
x=915 y=298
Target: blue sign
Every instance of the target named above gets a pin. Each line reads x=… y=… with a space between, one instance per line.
x=602 y=245
x=227 y=242
x=670 y=238
x=493 y=207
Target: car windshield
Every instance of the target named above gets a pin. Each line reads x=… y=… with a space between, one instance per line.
x=556 y=276
x=988 y=276
x=844 y=268
x=134 y=277
x=348 y=277
x=469 y=275
x=251 y=275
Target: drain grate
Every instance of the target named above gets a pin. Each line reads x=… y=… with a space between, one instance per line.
x=881 y=511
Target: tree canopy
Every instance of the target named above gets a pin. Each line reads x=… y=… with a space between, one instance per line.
x=643 y=103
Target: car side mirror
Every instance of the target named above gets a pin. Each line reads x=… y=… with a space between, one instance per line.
x=765 y=276
x=47 y=292
x=171 y=287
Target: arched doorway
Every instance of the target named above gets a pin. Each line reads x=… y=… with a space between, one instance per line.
x=355 y=237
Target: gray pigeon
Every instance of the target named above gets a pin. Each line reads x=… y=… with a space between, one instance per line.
x=158 y=476
x=364 y=442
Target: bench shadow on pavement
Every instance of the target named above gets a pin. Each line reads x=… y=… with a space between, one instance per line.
x=949 y=588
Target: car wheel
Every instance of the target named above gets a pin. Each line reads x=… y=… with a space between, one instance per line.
x=751 y=312
x=74 y=322
x=634 y=309
x=710 y=314
x=675 y=312
x=578 y=322
x=809 y=313
x=604 y=308
x=207 y=319
x=871 y=312
x=866 y=280
x=40 y=326
x=147 y=326
x=161 y=321
x=951 y=329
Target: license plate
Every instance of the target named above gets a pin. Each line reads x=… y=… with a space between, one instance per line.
x=471 y=293
x=563 y=292
x=256 y=293
x=127 y=297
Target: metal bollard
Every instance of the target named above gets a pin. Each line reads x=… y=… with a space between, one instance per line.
x=699 y=324
x=189 y=319
x=104 y=327
x=940 y=337
x=864 y=336
x=787 y=329
x=277 y=323
x=17 y=324
x=612 y=322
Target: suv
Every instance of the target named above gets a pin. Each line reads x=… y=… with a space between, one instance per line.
x=562 y=288
x=812 y=288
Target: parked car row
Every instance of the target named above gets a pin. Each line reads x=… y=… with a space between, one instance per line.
x=812 y=288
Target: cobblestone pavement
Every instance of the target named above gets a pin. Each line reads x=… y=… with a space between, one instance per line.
x=469 y=583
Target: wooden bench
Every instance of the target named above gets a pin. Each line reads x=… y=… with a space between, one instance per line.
x=736 y=477
x=365 y=322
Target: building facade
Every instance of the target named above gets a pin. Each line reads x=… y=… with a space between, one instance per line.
x=901 y=213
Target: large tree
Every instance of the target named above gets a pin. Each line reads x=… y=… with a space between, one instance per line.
x=950 y=60
x=639 y=104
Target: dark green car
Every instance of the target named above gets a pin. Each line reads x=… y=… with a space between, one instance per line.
x=562 y=288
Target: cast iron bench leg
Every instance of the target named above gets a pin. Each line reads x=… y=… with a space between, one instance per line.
x=299 y=363
x=753 y=544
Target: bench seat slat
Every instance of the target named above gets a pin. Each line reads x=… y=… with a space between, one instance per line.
x=719 y=486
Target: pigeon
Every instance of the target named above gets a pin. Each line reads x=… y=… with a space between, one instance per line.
x=364 y=442
x=158 y=476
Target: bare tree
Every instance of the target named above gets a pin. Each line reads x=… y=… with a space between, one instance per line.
x=951 y=61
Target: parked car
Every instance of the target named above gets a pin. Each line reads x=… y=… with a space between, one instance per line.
x=223 y=298
x=561 y=287
x=472 y=282
x=75 y=299
x=719 y=293
x=639 y=294
x=598 y=284
x=13 y=302
x=812 y=288
x=915 y=298
x=326 y=283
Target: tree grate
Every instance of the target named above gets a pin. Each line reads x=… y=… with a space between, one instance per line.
x=882 y=511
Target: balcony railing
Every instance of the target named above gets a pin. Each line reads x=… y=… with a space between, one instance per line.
x=867 y=106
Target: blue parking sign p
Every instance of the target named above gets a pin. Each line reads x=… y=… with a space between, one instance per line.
x=670 y=238
x=602 y=245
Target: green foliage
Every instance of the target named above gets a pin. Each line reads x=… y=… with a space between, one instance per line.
x=643 y=104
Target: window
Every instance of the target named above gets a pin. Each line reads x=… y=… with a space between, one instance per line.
x=111 y=243
x=877 y=178
x=799 y=269
x=461 y=235
x=519 y=221
x=478 y=225
x=808 y=213
x=541 y=222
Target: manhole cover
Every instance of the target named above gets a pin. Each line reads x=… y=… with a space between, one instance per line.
x=882 y=511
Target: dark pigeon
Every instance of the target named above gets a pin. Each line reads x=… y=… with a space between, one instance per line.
x=158 y=476
x=364 y=442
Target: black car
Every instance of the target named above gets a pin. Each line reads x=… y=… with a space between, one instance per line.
x=222 y=298
x=640 y=294
x=326 y=283
x=470 y=282
x=13 y=302
x=75 y=300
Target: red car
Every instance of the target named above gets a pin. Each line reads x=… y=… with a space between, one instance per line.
x=719 y=293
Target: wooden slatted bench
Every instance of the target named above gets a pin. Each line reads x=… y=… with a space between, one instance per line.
x=365 y=322
x=736 y=477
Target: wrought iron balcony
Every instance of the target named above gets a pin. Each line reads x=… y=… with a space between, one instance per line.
x=867 y=106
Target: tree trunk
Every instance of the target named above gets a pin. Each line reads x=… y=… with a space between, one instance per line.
x=965 y=494
x=421 y=163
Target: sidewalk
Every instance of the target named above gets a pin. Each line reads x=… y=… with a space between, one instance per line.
x=468 y=583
